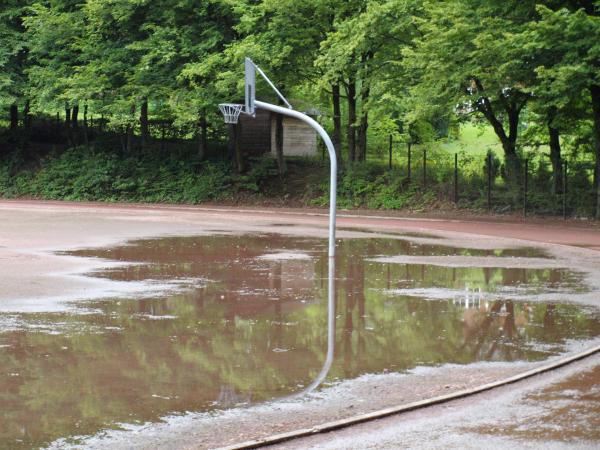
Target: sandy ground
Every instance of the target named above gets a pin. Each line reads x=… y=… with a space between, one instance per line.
x=35 y=278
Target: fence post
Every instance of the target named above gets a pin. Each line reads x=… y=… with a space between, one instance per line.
x=525 y=187
x=424 y=168
x=489 y=182
x=564 y=180
x=456 y=178
x=409 y=168
x=390 y=163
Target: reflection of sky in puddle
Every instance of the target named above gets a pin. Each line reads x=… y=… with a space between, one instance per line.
x=255 y=329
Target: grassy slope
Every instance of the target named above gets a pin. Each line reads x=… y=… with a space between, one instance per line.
x=474 y=140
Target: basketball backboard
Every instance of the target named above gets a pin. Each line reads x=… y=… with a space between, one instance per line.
x=250 y=88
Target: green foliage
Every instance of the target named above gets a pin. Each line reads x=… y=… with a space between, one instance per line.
x=80 y=174
x=178 y=177
x=5 y=180
x=260 y=171
x=371 y=186
x=12 y=51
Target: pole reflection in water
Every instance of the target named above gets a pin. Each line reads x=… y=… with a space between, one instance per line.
x=330 y=332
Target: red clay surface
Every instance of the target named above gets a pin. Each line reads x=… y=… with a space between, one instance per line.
x=580 y=233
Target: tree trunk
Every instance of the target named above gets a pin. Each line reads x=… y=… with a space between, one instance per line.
x=390 y=153
x=512 y=107
x=202 y=131
x=75 y=117
x=129 y=131
x=14 y=116
x=513 y=163
x=123 y=138
x=67 y=116
x=27 y=115
x=362 y=138
x=595 y=91
x=363 y=126
x=239 y=157
x=555 y=156
x=281 y=166
x=337 y=122
x=128 y=138
x=144 y=130
x=409 y=162
x=68 y=125
x=75 y=125
x=86 y=139
x=513 y=167
x=231 y=141
x=364 y=115
x=351 y=121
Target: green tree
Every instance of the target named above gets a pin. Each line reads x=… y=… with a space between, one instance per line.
x=175 y=36
x=54 y=33
x=13 y=60
x=466 y=57
x=340 y=59
x=569 y=39
x=283 y=37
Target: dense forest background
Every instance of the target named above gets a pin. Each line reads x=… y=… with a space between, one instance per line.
x=117 y=100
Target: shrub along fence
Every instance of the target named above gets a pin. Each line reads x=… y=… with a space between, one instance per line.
x=480 y=182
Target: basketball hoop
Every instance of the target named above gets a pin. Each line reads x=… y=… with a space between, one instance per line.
x=231 y=111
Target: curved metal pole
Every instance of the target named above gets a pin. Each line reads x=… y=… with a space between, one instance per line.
x=332 y=160
x=332 y=210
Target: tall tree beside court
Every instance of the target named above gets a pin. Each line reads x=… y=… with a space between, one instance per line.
x=466 y=62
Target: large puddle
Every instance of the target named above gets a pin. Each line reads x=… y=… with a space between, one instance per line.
x=251 y=326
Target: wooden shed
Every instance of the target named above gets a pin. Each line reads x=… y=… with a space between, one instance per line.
x=258 y=135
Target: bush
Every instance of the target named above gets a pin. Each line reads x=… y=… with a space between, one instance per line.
x=373 y=186
x=84 y=174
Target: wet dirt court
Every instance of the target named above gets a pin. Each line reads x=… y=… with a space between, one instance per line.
x=216 y=323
